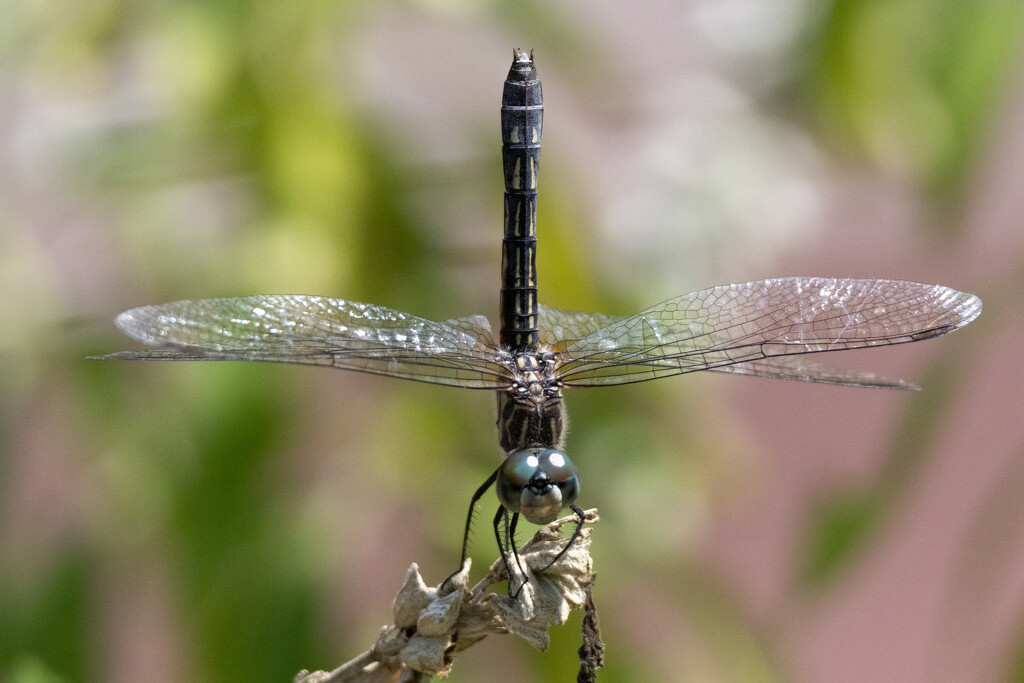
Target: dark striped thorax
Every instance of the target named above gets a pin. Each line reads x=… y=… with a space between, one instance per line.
x=531 y=414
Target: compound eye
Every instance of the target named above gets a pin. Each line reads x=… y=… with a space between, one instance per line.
x=538 y=483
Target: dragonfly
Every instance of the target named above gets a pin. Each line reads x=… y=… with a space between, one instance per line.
x=765 y=328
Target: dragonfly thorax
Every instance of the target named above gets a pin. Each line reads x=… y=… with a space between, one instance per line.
x=534 y=379
x=531 y=413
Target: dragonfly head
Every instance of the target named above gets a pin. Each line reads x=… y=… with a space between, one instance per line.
x=538 y=483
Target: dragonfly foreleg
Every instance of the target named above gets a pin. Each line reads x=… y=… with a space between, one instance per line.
x=469 y=522
x=507 y=545
x=572 y=539
x=472 y=508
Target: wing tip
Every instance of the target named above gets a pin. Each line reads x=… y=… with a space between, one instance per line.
x=970 y=308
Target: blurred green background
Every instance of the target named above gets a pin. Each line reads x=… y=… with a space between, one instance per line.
x=233 y=522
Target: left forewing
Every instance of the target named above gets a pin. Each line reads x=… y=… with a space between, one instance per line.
x=312 y=330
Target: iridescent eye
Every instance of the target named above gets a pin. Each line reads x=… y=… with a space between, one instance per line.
x=538 y=483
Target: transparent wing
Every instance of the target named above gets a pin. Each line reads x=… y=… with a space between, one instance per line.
x=559 y=329
x=313 y=330
x=749 y=328
x=801 y=369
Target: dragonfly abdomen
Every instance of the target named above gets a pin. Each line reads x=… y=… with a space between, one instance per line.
x=522 y=114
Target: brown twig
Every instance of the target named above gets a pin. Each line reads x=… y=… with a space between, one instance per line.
x=432 y=625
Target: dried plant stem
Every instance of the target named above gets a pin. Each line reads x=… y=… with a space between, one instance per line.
x=432 y=625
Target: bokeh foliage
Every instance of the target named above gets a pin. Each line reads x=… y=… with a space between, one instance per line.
x=913 y=86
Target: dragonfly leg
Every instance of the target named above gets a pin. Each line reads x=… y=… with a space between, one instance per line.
x=472 y=508
x=507 y=545
x=511 y=537
x=572 y=539
x=515 y=554
x=469 y=521
x=499 y=518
